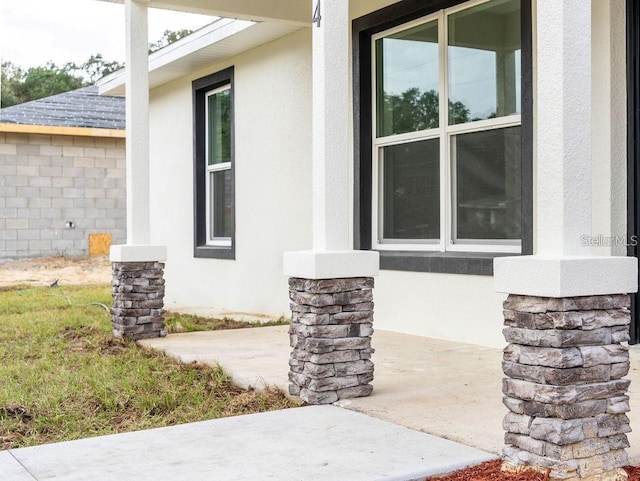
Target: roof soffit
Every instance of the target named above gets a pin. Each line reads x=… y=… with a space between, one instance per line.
x=290 y=11
x=223 y=39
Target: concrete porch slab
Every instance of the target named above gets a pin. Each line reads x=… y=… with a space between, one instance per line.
x=447 y=389
x=314 y=443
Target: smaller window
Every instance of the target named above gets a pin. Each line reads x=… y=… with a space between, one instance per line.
x=214 y=209
x=218 y=167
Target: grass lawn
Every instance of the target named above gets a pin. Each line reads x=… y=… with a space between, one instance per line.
x=65 y=377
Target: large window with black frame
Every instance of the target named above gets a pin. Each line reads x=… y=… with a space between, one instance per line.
x=446 y=131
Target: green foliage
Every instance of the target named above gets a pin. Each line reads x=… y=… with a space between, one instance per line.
x=97 y=67
x=458 y=113
x=414 y=110
x=19 y=85
x=39 y=82
x=8 y=73
x=169 y=37
x=65 y=377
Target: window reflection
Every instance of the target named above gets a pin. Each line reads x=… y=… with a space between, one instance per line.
x=484 y=61
x=408 y=81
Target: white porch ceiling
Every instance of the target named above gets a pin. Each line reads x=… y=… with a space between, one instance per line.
x=292 y=11
x=213 y=43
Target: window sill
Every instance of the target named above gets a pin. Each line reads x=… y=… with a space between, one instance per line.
x=472 y=263
x=214 y=252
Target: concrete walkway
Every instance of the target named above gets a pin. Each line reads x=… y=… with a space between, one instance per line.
x=315 y=443
x=451 y=391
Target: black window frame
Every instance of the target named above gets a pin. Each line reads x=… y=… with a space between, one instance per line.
x=363 y=29
x=633 y=150
x=200 y=88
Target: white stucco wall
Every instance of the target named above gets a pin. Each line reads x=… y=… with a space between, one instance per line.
x=444 y=306
x=273 y=200
x=273 y=197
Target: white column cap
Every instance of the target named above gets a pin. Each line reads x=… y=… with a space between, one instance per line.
x=137 y=253
x=548 y=276
x=331 y=264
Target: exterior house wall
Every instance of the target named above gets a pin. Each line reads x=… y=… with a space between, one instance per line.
x=273 y=198
x=272 y=88
x=49 y=180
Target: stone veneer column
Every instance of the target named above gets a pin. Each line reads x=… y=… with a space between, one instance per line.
x=565 y=392
x=138 y=299
x=330 y=335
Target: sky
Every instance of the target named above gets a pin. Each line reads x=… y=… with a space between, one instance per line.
x=33 y=32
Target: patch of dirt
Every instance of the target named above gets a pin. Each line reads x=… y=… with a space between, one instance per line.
x=16 y=411
x=491 y=471
x=251 y=401
x=78 y=333
x=9 y=438
x=77 y=337
x=88 y=338
x=112 y=346
x=46 y=271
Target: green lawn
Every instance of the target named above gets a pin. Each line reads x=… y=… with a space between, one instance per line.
x=64 y=376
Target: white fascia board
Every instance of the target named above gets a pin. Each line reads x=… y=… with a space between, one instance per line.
x=202 y=38
x=295 y=12
x=112 y=84
x=213 y=33
x=548 y=276
x=331 y=264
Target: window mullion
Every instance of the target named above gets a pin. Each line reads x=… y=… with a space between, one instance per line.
x=443 y=120
x=376 y=194
x=218 y=167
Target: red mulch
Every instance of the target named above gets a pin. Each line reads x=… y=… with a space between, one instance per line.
x=490 y=471
x=633 y=472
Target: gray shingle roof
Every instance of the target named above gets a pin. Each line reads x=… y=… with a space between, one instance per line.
x=79 y=108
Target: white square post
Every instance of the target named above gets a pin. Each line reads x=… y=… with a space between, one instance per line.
x=331 y=286
x=138 y=268
x=567 y=313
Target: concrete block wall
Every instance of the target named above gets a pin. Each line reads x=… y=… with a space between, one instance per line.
x=48 y=182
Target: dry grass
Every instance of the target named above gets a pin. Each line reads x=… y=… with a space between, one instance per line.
x=65 y=377
x=177 y=322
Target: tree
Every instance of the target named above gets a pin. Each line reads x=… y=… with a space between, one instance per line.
x=97 y=67
x=168 y=37
x=19 y=85
x=8 y=75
